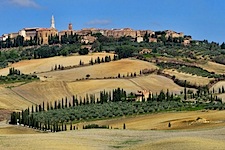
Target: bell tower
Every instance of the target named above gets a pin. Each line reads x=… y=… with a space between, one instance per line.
x=70 y=27
x=53 y=22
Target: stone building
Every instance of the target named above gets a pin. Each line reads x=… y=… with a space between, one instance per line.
x=29 y=33
x=44 y=33
x=67 y=32
x=143 y=95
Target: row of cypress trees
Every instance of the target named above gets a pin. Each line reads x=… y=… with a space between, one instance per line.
x=27 y=117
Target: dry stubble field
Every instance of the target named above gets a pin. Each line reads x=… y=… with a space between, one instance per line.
x=193 y=79
x=213 y=67
x=110 y=69
x=205 y=134
x=42 y=65
x=38 y=92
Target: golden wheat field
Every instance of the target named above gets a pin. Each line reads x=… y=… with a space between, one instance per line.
x=193 y=79
x=37 y=92
x=46 y=64
x=12 y=101
x=110 y=69
x=213 y=67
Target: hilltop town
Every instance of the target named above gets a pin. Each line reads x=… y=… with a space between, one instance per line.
x=43 y=36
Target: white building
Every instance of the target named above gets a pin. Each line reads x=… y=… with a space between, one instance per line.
x=139 y=39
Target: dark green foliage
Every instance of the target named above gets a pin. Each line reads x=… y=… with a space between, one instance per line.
x=222 y=45
x=124 y=51
x=94 y=126
x=83 y=51
x=16 y=76
x=185 y=90
x=124 y=126
x=14 y=117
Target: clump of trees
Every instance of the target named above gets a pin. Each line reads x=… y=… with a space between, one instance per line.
x=15 y=75
x=95 y=126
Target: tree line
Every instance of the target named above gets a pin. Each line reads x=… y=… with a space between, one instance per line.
x=55 y=117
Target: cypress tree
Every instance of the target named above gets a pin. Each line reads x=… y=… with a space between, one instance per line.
x=185 y=90
x=56 y=105
x=22 y=120
x=19 y=117
x=167 y=95
x=47 y=106
x=76 y=100
x=66 y=103
x=80 y=100
x=48 y=125
x=13 y=118
x=73 y=100
x=69 y=104
x=84 y=102
x=40 y=108
x=62 y=103
x=71 y=126
x=54 y=128
x=87 y=99
x=59 y=105
x=32 y=109
x=36 y=110
x=51 y=106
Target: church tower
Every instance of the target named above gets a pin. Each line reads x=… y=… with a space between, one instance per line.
x=53 y=22
x=70 y=27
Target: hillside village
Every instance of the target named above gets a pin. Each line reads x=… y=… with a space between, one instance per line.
x=43 y=36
